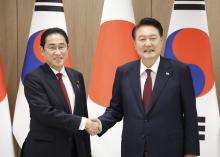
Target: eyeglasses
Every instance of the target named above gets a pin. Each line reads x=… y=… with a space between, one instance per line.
x=53 y=48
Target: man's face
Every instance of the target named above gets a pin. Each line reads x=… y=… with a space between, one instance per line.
x=55 y=51
x=148 y=42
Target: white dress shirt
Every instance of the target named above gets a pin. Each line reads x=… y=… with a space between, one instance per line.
x=143 y=74
x=70 y=93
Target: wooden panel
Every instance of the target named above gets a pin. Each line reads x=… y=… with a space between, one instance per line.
x=10 y=50
x=142 y=8
x=8 y=37
x=83 y=21
x=162 y=12
x=2 y=28
x=24 y=15
x=213 y=13
x=10 y=59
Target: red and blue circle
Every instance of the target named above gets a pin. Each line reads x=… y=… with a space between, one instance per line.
x=33 y=57
x=192 y=46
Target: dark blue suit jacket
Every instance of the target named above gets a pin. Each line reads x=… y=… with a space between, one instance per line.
x=53 y=129
x=169 y=128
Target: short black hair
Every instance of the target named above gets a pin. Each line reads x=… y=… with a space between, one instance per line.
x=148 y=21
x=50 y=31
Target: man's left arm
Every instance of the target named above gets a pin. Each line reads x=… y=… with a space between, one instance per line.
x=191 y=138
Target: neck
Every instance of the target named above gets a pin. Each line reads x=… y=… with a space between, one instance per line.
x=58 y=69
x=148 y=62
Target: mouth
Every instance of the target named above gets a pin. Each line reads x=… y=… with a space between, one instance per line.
x=148 y=51
x=58 y=59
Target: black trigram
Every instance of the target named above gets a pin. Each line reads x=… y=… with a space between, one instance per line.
x=56 y=5
x=190 y=6
x=52 y=1
x=201 y=128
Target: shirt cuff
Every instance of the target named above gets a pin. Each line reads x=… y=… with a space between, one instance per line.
x=100 y=124
x=82 y=125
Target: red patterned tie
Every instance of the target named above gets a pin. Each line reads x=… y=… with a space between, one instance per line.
x=62 y=86
x=147 y=90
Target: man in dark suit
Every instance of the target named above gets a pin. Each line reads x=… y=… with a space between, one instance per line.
x=57 y=101
x=155 y=98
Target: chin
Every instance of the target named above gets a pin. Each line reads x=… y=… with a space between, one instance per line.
x=148 y=57
x=59 y=63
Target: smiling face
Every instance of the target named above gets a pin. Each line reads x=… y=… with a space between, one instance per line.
x=55 y=51
x=148 y=44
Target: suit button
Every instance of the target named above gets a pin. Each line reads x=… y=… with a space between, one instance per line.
x=69 y=139
x=146 y=120
x=143 y=136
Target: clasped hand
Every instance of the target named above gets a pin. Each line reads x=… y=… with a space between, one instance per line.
x=93 y=126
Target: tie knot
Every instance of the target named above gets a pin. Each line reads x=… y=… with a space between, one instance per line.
x=148 y=71
x=59 y=76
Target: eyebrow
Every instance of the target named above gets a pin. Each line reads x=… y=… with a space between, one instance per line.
x=153 y=35
x=52 y=44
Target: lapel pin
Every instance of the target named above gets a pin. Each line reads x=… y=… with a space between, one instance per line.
x=77 y=83
x=167 y=73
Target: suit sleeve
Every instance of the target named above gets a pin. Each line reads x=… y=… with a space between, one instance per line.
x=191 y=140
x=42 y=110
x=114 y=112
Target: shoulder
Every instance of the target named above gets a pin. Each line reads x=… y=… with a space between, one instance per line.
x=74 y=74
x=178 y=68
x=73 y=71
x=39 y=72
x=34 y=77
x=129 y=66
x=175 y=64
x=36 y=73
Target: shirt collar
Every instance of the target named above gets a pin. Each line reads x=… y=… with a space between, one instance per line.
x=154 y=67
x=62 y=71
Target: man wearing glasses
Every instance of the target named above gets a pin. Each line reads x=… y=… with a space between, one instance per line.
x=57 y=102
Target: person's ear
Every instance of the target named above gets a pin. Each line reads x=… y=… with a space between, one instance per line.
x=42 y=50
x=135 y=45
x=161 y=40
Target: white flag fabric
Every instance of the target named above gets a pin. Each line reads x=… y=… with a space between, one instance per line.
x=188 y=41
x=115 y=47
x=46 y=14
x=6 y=139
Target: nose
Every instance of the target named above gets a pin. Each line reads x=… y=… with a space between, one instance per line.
x=147 y=42
x=57 y=51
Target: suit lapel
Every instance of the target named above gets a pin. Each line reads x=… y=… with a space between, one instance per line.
x=163 y=75
x=54 y=84
x=134 y=77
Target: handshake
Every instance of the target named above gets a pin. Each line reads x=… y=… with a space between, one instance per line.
x=93 y=126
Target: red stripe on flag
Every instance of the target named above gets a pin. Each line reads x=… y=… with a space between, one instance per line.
x=68 y=60
x=2 y=83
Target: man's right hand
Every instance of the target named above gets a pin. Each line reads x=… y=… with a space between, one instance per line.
x=93 y=126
